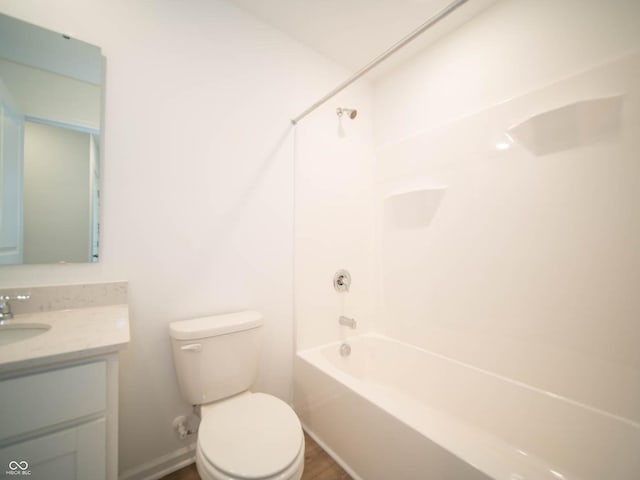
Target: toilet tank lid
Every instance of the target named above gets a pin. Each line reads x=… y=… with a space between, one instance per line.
x=214 y=325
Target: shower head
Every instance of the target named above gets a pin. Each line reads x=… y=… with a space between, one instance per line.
x=352 y=112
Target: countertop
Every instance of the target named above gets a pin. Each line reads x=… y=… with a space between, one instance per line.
x=74 y=334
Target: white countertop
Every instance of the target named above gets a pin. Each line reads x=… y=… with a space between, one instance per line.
x=74 y=334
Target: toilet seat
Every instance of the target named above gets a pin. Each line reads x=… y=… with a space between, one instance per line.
x=207 y=471
x=250 y=436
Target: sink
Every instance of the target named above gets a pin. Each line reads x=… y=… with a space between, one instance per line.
x=14 y=332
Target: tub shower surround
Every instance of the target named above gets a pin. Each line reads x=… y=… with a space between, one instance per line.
x=509 y=348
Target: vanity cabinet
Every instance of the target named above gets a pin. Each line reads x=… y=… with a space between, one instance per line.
x=61 y=420
x=72 y=453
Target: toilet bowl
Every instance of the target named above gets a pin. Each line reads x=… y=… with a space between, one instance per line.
x=250 y=436
x=242 y=435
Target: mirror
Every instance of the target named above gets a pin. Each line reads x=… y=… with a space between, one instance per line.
x=51 y=89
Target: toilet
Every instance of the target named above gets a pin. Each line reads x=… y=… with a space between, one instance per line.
x=242 y=435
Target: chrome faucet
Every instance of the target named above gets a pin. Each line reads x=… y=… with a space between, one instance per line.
x=5 y=307
x=347 y=322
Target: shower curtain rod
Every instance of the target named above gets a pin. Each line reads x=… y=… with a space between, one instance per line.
x=383 y=56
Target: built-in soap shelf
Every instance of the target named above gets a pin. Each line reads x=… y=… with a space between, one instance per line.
x=570 y=126
x=412 y=208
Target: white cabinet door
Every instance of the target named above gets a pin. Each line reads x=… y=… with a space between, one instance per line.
x=36 y=402
x=11 y=179
x=77 y=453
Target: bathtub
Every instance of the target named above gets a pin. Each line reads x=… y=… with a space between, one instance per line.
x=391 y=411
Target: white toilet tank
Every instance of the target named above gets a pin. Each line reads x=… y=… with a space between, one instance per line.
x=216 y=356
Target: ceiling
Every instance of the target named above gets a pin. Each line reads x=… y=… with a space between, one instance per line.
x=353 y=32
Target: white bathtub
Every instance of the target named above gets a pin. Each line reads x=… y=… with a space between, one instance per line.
x=391 y=411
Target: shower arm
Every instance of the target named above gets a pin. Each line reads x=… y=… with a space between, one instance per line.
x=383 y=56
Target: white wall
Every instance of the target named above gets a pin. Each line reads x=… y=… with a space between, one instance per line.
x=57 y=215
x=50 y=96
x=197 y=197
x=529 y=267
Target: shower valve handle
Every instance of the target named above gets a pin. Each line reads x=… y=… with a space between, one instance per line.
x=342 y=281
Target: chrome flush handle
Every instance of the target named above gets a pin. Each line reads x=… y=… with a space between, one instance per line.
x=192 y=347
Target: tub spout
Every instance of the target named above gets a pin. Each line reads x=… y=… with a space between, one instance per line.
x=347 y=322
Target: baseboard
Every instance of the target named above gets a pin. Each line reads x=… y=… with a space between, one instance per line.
x=332 y=454
x=161 y=466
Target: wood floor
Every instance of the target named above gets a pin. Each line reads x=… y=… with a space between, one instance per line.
x=317 y=466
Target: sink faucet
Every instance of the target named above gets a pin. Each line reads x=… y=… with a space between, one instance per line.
x=5 y=307
x=347 y=322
